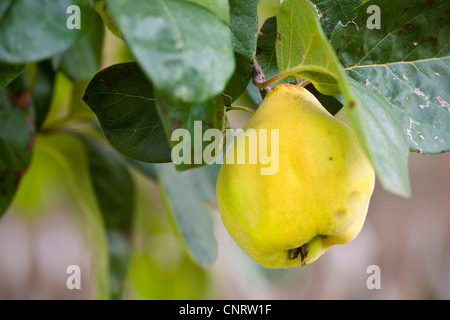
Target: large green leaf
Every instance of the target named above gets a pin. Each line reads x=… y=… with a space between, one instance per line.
x=244 y=30
x=333 y=12
x=114 y=190
x=267 y=58
x=419 y=93
x=190 y=215
x=69 y=154
x=184 y=48
x=406 y=62
x=383 y=138
x=304 y=51
x=17 y=133
x=122 y=99
x=33 y=30
x=112 y=182
x=82 y=61
x=8 y=72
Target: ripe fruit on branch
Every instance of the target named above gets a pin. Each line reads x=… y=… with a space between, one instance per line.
x=318 y=198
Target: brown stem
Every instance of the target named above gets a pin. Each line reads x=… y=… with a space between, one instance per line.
x=259 y=78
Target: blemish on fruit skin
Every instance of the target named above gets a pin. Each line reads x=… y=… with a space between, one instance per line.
x=340 y=214
x=353 y=197
x=330 y=158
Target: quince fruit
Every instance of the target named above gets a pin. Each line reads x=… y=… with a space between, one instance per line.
x=319 y=196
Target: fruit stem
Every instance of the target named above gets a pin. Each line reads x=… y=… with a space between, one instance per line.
x=302 y=250
x=259 y=79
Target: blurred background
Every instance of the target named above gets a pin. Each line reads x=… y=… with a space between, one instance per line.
x=408 y=239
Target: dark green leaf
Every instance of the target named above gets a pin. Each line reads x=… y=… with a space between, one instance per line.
x=43 y=91
x=190 y=216
x=333 y=12
x=8 y=72
x=244 y=30
x=122 y=99
x=184 y=49
x=195 y=120
x=410 y=31
x=4 y=5
x=16 y=138
x=82 y=61
x=33 y=30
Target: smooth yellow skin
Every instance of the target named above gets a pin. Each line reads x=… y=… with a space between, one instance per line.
x=320 y=194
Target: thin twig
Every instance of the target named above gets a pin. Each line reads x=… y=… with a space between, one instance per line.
x=259 y=78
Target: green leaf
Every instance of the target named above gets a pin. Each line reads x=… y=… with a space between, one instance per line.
x=419 y=93
x=33 y=30
x=383 y=139
x=267 y=58
x=102 y=9
x=16 y=138
x=303 y=50
x=195 y=120
x=68 y=152
x=219 y=7
x=42 y=91
x=82 y=61
x=244 y=30
x=9 y=72
x=122 y=99
x=266 y=51
x=183 y=48
x=191 y=217
x=114 y=190
x=112 y=182
x=334 y=12
x=409 y=32
x=4 y=5
x=407 y=62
